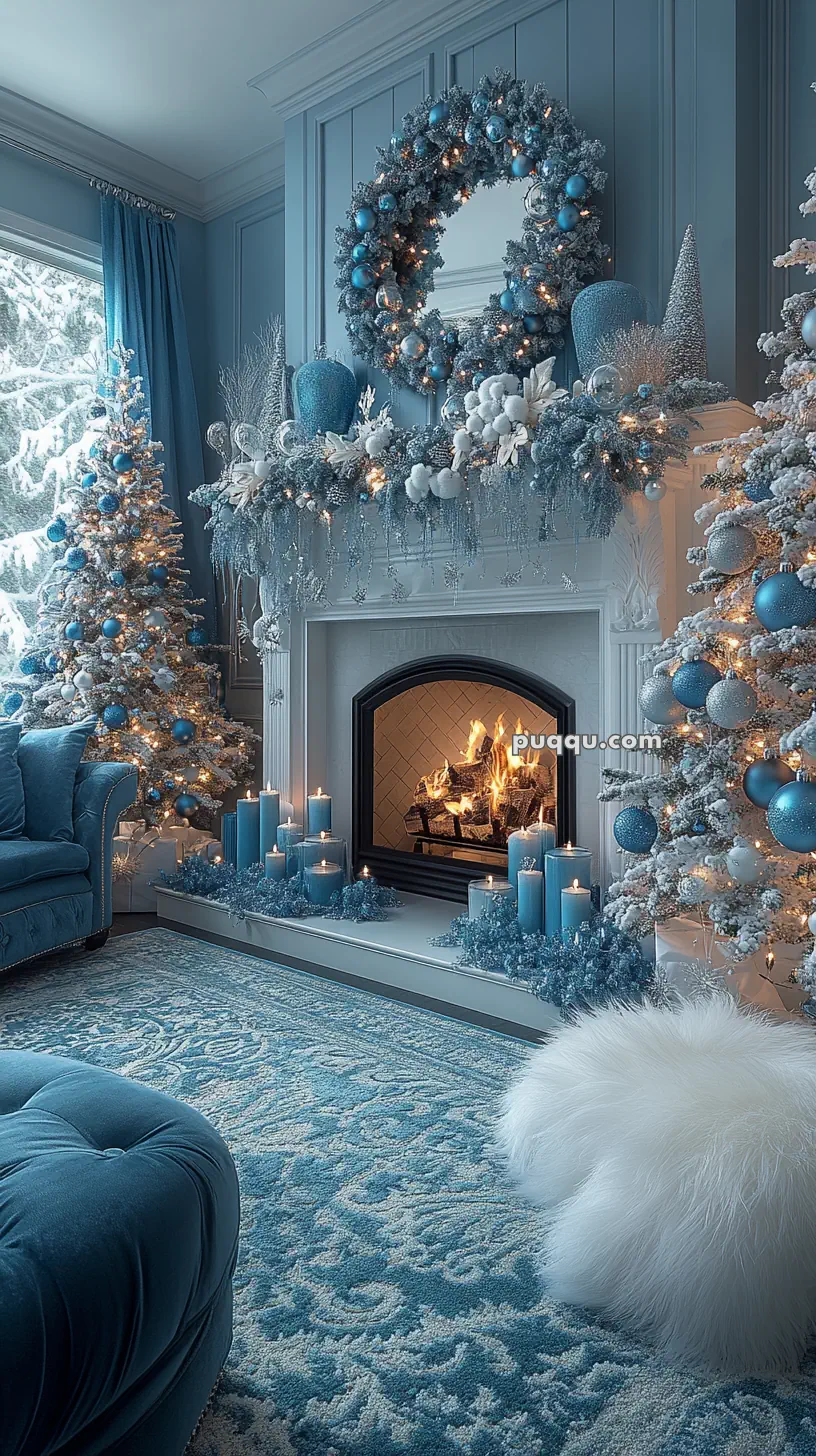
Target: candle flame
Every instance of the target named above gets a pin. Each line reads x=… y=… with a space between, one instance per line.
x=319 y=792
x=490 y=879
x=249 y=795
x=323 y=864
x=575 y=884
x=366 y=871
x=268 y=787
x=276 y=850
x=569 y=844
x=288 y=822
x=541 y=815
x=322 y=834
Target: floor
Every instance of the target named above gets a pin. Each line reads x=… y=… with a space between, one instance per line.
x=140 y=920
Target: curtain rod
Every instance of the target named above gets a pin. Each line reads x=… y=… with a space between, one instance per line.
x=110 y=189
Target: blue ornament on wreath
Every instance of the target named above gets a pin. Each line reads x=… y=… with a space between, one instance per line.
x=196 y=637
x=88 y=479
x=144 y=641
x=534 y=323
x=108 y=504
x=397 y=139
x=183 y=730
x=791 y=815
x=522 y=165
x=11 y=702
x=781 y=601
x=576 y=187
x=480 y=103
x=635 y=830
x=115 y=715
x=157 y=573
x=532 y=135
x=495 y=128
x=75 y=558
x=117 y=577
x=186 y=804
x=153 y=795
x=413 y=346
x=473 y=133
x=365 y=219
x=442 y=369
x=111 y=627
x=387 y=202
x=326 y=395
x=758 y=490
x=645 y=391
x=693 y=680
x=122 y=462
x=568 y=217
x=56 y=530
x=360 y=252
x=645 y=450
x=363 y=276
x=507 y=300
x=74 y=631
x=766 y=777
x=809 y=328
x=421 y=146
x=439 y=112
x=135 y=532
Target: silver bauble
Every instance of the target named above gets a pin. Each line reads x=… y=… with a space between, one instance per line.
x=248 y=439
x=68 y=692
x=812 y=922
x=659 y=703
x=83 y=680
x=746 y=864
x=654 y=490
x=157 y=618
x=731 y=549
x=731 y=702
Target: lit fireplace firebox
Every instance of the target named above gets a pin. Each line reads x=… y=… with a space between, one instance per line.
x=435 y=791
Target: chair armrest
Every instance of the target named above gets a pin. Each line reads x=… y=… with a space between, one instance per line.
x=101 y=794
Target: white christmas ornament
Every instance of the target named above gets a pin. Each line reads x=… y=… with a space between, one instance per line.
x=746 y=864
x=83 y=680
x=462 y=442
x=489 y=409
x=472 y=400
x=484 y=389
x=489 y=436
x=474 y=424
x=497 y=389
x=502 y=424
x=447 y=484
x=418 y=483
x=68 y=692
x=515 y=407
x=378 y=440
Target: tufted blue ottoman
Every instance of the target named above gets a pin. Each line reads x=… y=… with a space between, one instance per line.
x=118 y=1238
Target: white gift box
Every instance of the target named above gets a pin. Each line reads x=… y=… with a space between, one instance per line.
x=192 y=841
x=145 y=858
x=682 y=940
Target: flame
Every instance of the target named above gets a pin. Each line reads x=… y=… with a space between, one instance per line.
x=438 y=782
x=477 y=732
x=459 y=806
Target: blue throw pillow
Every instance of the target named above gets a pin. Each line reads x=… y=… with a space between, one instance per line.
x=12 y=803
x=49 y=759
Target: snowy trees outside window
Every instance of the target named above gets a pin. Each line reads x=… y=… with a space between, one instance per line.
x=52 y=351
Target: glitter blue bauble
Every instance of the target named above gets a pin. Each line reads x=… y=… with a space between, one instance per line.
x=533 y=323
x=532 y=135
x=522 y=165
x=183 y=730
x=527 y=300
x=759 y=489
x=185 y=805
x=439 y=112
x=360 y=252
x=765 y=778
x=153 y=794
x=326 y=394
x=168 y=783
x=387 y=203
x=115 y=715
x=89 y=479
x=421 y=145
x=507 y=300
x=117 y=577
x=93 y=452
x=364 y=219
x=157 y=573
x=782 y=601
x=603 y=308
x=792 y=816
x=480 y=103
x=108 y=504
x=56 y=530
x=122 y=462
x=111 y=627
x=692 y=682
x=645 y=391
x=473 y=133
x=645 y=450
x=74 y=631
x=635 y=830
x=135 y=532
x=442 y=370
x=496 y=128
x=75 y=558
x=363 y=275
x=11 y=702
x=809 y=328
x=30 y=664
x=575 y=187
x=568 y=217
x=197 y=637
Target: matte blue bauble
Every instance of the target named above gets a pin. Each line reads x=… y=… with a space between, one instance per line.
x=108 y=504
x=440 y=370
x=421 y=145
x=645 y=450
x=603 y=308
x=480 y=103
x=635 y=830
x=792 y=816
x=699 y=826
x=439 y=112
x=185 y=805
x=31 y=664
x=183 y=730
x=759 y=489
x=74 y=631
x=326 y=395
x=532 y=135
x=473 y=133
x=115 y=715
x=764 y=778
x=387 y=203
x=693 y=680
x=365 y=219
x=360 y=252
x=522 y=165
x=809 y=328
x=507 y=300
x=89 y=479
x=122 y=462
x=12 y=701
x=153 y=794
x=117 y=577
x=568 y=217
x=575 y=187
x=782 y=601
x=645 y=391
x=197 y=637
x=56 y=530
x=52 y=663
x=75 y=558
x=111 y=627
x=363 y=275
x=413 y=346
x=496 y=128
x=157 y=573
x=533 y=323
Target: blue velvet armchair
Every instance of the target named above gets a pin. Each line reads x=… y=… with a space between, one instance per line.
x=55 y=893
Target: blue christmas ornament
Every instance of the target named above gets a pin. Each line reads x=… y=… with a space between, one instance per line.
x=764 y=778
x=326 y=394
x=197 y=637
x=645 y=391
x=533 y=323
x=168 y=783
x=144 y=641
x=781 y=601
x=693 y=680
x=153 y=794
x=185 y=805
x=473 y=133
x=157 y=573
x=122 y=463
x=635 y=829
x=421 y=145
x=111 y=627
x=183 y=730
x=365 y=219
x=792 y=815
x=115 y=715
x=52 y=663
x=397 y=139
x=496 y=128
x=480 y=103
x=56 y=530
x=809 y=328
x=75 y=558
x=363 y=275
x=108 y=504
x=135 y=532
x=576 y=186
x=507 y=300
x=89 y=479
x=568 y=217
x=532 y=135
x=439 y=112
x=699 y=826
x=117 y=577
x=11 y=702
x=440 y=370
x=93 y=452
x=360 y=252
x=387 y=203
x=522 y=165
x=758 y=489
x=74 y=631
x=97 y=411
x=645 y=450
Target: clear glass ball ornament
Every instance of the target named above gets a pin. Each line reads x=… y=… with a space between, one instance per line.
x=605 y=386
x=537 y=203
x=453 y=412
x=287 y=436
x=218 y=437
x=389 y=296
x=248 y=440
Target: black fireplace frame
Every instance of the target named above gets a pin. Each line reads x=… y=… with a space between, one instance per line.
x=428 y=874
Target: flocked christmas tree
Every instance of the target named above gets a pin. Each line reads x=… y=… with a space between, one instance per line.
x=116 y=634
x=729 y=825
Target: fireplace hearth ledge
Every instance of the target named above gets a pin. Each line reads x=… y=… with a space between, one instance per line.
x=393 y=955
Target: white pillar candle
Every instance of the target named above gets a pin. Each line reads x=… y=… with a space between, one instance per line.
x=481 y=893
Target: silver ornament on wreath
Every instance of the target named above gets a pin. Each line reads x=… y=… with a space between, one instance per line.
x=658 y=702
x=731 y=549
x=731 y=702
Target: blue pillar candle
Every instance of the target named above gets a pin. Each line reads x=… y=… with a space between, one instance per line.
x=270 y=818
x=322 y=880
x=229 y=838
x=546 y=835
x=523 y=844
x=275 y=864
x=249 y=832
x=318 y=812
x=530 y=894
x=289 y=837
x=481 y=893
x=561 y=867
x=576 y=908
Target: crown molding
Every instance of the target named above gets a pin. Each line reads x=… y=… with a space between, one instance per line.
x=383 y=34
x=244 y=181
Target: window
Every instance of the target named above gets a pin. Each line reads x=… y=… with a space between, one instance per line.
x=52 y=353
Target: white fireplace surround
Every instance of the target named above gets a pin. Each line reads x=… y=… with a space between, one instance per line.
x=587 y=642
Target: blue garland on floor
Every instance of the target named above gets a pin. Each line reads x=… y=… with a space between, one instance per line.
x=249 y=892
x=600 y=963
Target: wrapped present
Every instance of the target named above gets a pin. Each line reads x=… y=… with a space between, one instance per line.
x=131 y=828
x=192 y=841
x=137 y=865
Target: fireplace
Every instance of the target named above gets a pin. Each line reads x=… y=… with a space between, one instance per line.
x=437 y=785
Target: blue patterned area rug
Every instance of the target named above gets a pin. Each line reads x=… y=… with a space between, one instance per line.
x=386 y=1300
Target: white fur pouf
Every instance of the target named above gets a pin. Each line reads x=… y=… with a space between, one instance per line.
x=675 y=1152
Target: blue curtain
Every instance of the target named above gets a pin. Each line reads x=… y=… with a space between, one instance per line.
x=144 y=311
